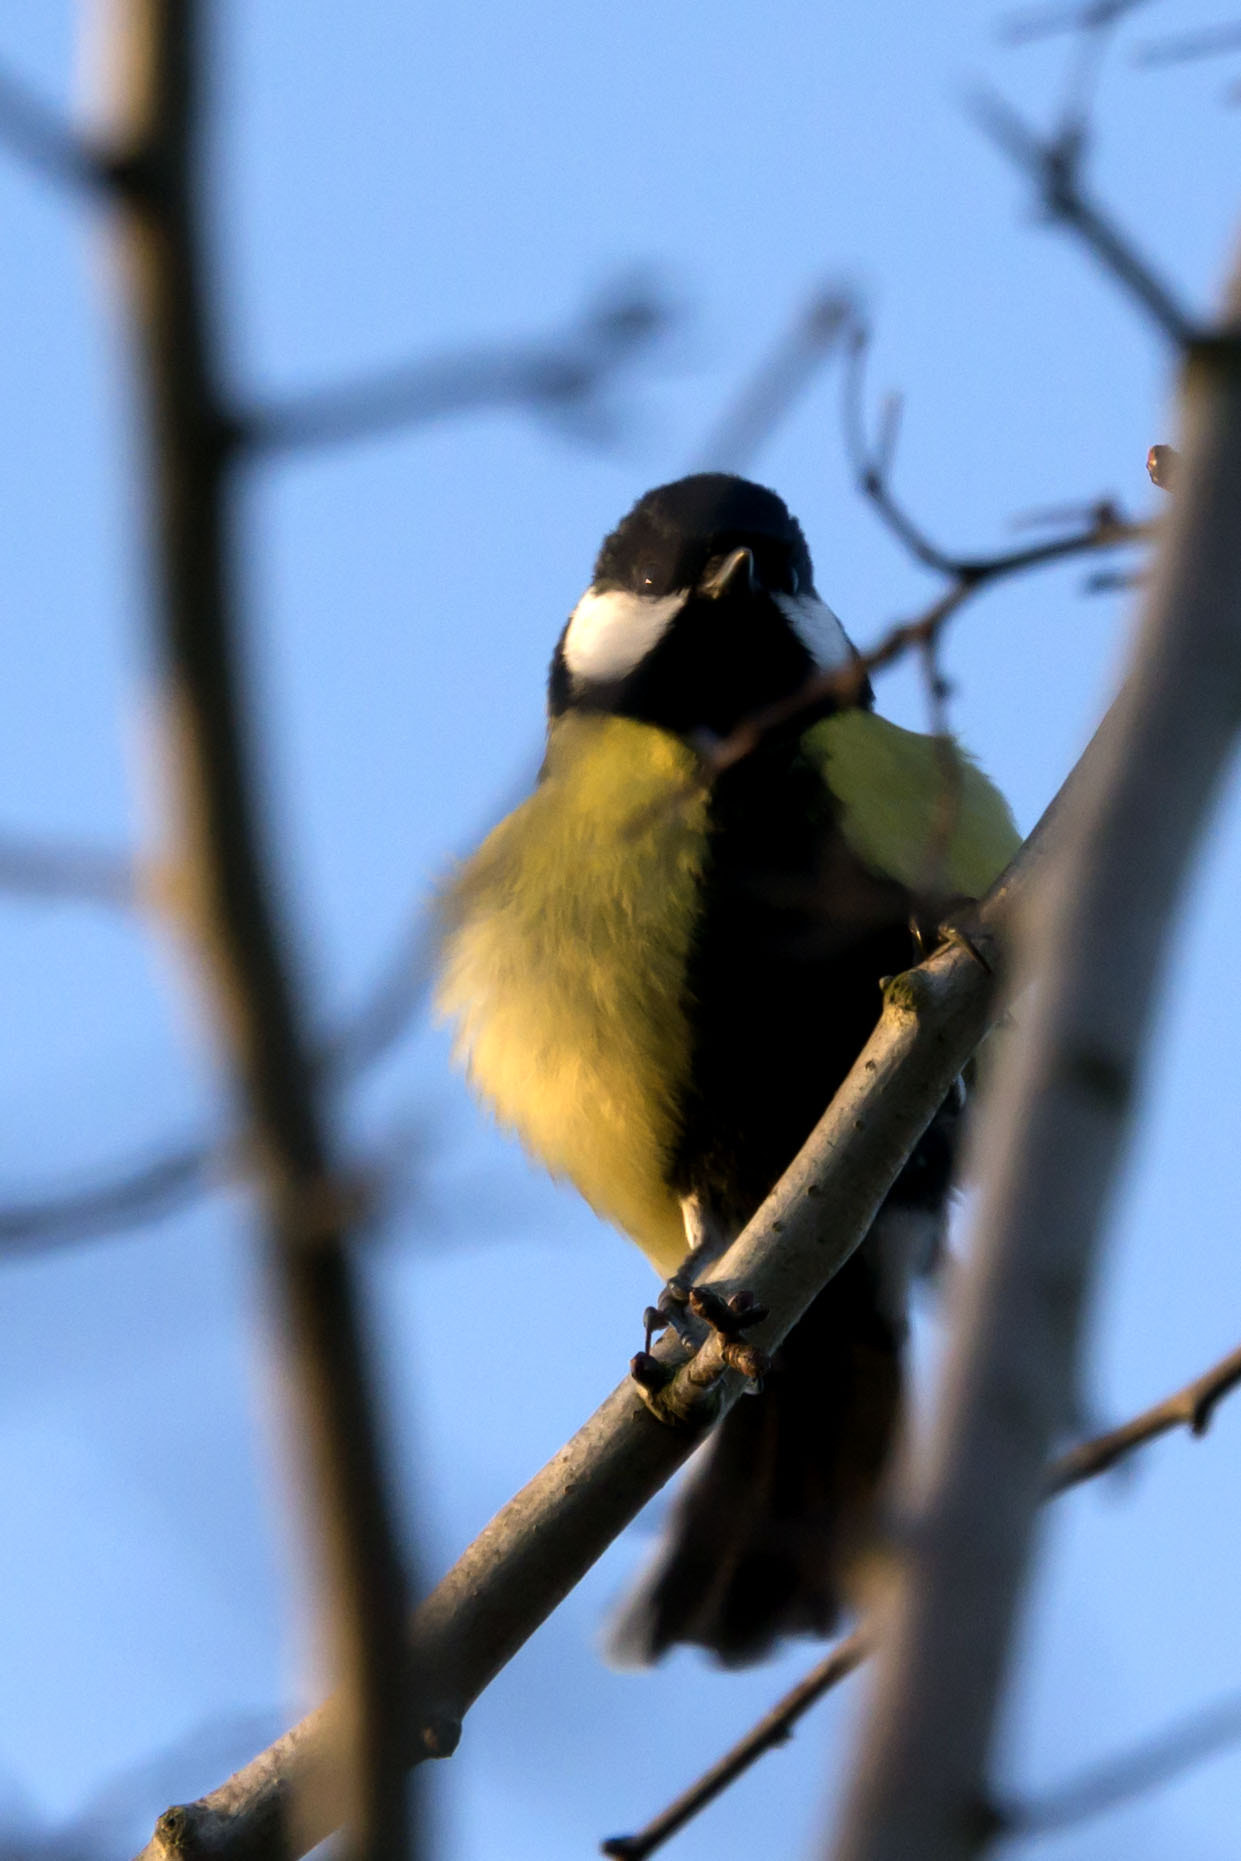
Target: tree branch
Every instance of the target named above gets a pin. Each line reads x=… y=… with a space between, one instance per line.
x=232 y=914
x=33 y=131
x=776 y=1728
x=540 y=1545
x=561 y=376
x=38 y=870
x=766 y=398
x=1191 y=1407
x=1049 y=1140
x=1149 y=1766
x=1054 y=168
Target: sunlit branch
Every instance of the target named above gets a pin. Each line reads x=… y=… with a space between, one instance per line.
x=540 y=1545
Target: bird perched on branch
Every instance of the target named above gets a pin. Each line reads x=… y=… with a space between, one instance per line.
x=659 y=980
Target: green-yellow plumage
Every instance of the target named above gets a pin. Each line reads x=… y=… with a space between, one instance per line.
x=568 y=933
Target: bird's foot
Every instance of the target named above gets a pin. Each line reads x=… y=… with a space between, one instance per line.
x=712 y=1328
x=726 y=1321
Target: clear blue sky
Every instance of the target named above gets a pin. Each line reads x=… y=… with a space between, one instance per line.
x=391 y=181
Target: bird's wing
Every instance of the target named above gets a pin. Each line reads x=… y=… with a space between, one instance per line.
x=911 y=807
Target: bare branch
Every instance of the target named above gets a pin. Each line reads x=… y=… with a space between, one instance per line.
x=539 y=1545
x=871 y=465
x=35 y=869
x=144 y=1192
x=563 y=376
x=1158 y=1761
x=1054 y=168
x=32 y=130
x=1106 y=529
x=775 y=1729
x=777 y=383
x=1178 y=48
x=1086 y=16
x=307 y=1203
x=1049 y=1139
x=1191 y=1407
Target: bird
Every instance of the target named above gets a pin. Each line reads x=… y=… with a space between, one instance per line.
x=658 y=977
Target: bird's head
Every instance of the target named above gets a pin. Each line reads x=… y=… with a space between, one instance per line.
x=701 y=611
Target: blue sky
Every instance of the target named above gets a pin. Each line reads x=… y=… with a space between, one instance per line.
x=390 y=182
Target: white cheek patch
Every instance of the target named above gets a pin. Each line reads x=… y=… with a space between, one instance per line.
x=818 y=630
x=612 y=632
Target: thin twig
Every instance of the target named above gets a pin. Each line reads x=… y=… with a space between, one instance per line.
x=1054 y=168
x=1206 y=42
x=37 y=869
x=1190 y=1408
x=1107 y=529
x=776 y=384
x=34 y=131
x=231 y=910
x=871 y=465
x=561 y=376
x=141 y=1192
x=1086 y=17
x=1157 y=1761
x=775 y=1729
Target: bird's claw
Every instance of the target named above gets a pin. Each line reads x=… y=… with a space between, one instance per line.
x=728 y=1319
x=712 y=1327
x=957 y=935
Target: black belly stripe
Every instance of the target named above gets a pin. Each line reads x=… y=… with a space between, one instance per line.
x=782 y=986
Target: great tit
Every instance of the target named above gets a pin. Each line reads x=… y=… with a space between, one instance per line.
x=658 y=983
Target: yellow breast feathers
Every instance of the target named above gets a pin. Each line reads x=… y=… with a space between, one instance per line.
x=564 y=959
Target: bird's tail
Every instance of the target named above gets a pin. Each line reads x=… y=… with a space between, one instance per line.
x=785 y=1500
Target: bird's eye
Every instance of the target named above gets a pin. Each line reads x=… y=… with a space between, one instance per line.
x=648 y=581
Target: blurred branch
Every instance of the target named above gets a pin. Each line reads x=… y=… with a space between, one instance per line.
x=1055 y=168
x=539 y=1546
x=1149 y=1766
x=1049 y=1142
x=36 y=869
x=780 y=379
x=563 y=376
x=138 y=1193
x=32 y=130
x=1045 y=21
x=1178 y=48
x=308 y=1206
x=1191 y=1407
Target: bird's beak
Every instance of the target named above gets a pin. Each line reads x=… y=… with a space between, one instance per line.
x=735 y=575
